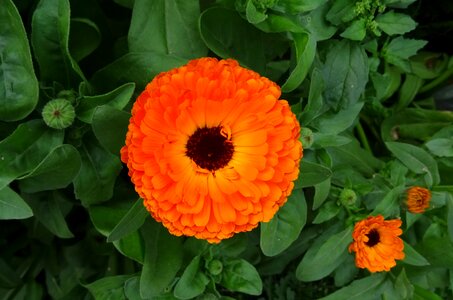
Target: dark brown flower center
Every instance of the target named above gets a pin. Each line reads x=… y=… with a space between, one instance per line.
x=373 y=238
x=209 y=148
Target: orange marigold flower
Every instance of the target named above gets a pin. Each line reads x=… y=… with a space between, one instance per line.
x=377 y=244
x=211 y=149
x=418 y=199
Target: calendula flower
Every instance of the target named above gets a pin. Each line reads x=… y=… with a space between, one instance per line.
x=211 y=149
x=377 y=244
x=418 y=199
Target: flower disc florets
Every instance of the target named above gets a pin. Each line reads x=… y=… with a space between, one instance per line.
x=211 y=149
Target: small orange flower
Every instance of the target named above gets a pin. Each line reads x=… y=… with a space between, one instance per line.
x=418 y=199
x=377 y=244
x=211 y=149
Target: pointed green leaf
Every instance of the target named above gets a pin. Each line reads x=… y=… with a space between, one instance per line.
x=389 y=206
x=84 y=38
x=395 y=23
x=412 y=257
x=110 y=127
x=12 y=206
x=108 y=287
x=192 y=282
x=240 y=276
x=18 y=83
x=364 y=288
x=322 y=191
x=284 y=228
x=131 y=221
x=356 y=31
x=311 y=174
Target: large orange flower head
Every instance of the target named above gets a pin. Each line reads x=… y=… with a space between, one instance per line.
x=377 y=244
x=418 y=199
x=211 y=149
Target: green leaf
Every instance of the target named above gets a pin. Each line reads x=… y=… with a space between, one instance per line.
x=356 y=31
x=315 y=102
x=138 y=67
x=49 y=174
x=322 y=191
x=118 y=98
x=400 y=49
x=110 y=127
x=192 y=282
x=441 y=147
x=364 y=288
x=345 y=74
x=311 y=174
x=336 y=122
x=163 y=259
x=403 y=286
x=166 y=27
x=8 y=276
x=25 y=148
x=254 y=15
x=437 y=250
x=108 y=287
x=47 y=209
x=424 y=294
x=450 y=215
x=408 y=91
x=240 y=276
x=389 y=206
x=298 y=6
x=341 y=11
x=230 y=36
x=322 y=140
x=315 y=22
x=412 y=257
x=94 y=183
x=329 y=210
x=84 y=38
x=386 y=84
x=12 y=206
x=305 y=46
x=319 y=262
x=50 y=39
x=285 y=226
x=417 y=160
x=131 y=222
x=18 y=83
x=395 y=23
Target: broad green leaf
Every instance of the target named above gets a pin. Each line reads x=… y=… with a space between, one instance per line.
x=8 y=276
x=311 y=174
x=230 y=36
x=412 y=257
x=408 y=91
x=317 y=263
x=315 y=102
x=417 y=160
x=108 y=287
x=322 y=140
x=327 y=211
x=315 y=22
x=438 y=251
x=25 y=148
x=364 y=288
x=18 y=83
x=131 y=221
x=345 y=74
x=351 y=155
x=50 y=39
x=386 y=84
x=166 y=27
x=345 y=272
x=84 y=38
x=163 y=259
x=192 y=282
x=138 y=67
x=450 y=215
x=47 y=209
x=403 y=286
x=110 y=127
x=398 y=3
x=118 y=98
x=441 y=147
x=12 y=206
x=395 y=23
x=253 y=14
x=95 y=181
x=278 y=23
x=400 y=49
x=341 y=11
x=299 y=6
x=322 y=191
x=31 y=290
x=336 y=122
x=284 y=228
x=424 y=294
x=390 y=205
x=49 y=174
x=305 y=46
x=240 y=276
x=356 y=31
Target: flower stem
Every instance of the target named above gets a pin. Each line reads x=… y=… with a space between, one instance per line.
x=362 y=137
x=444 y=76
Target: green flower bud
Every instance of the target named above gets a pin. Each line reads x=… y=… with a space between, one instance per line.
x=58 y=113
x=306 y=137
x=348 y=197
x=68 y=95
x=215 y=267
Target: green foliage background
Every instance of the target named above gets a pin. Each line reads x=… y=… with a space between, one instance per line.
x=368 y=82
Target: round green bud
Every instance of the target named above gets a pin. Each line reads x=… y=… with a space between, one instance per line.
x=306 y=137
x=215 y=267
x=68 y=95
x=58 y=113
x=348 y=197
